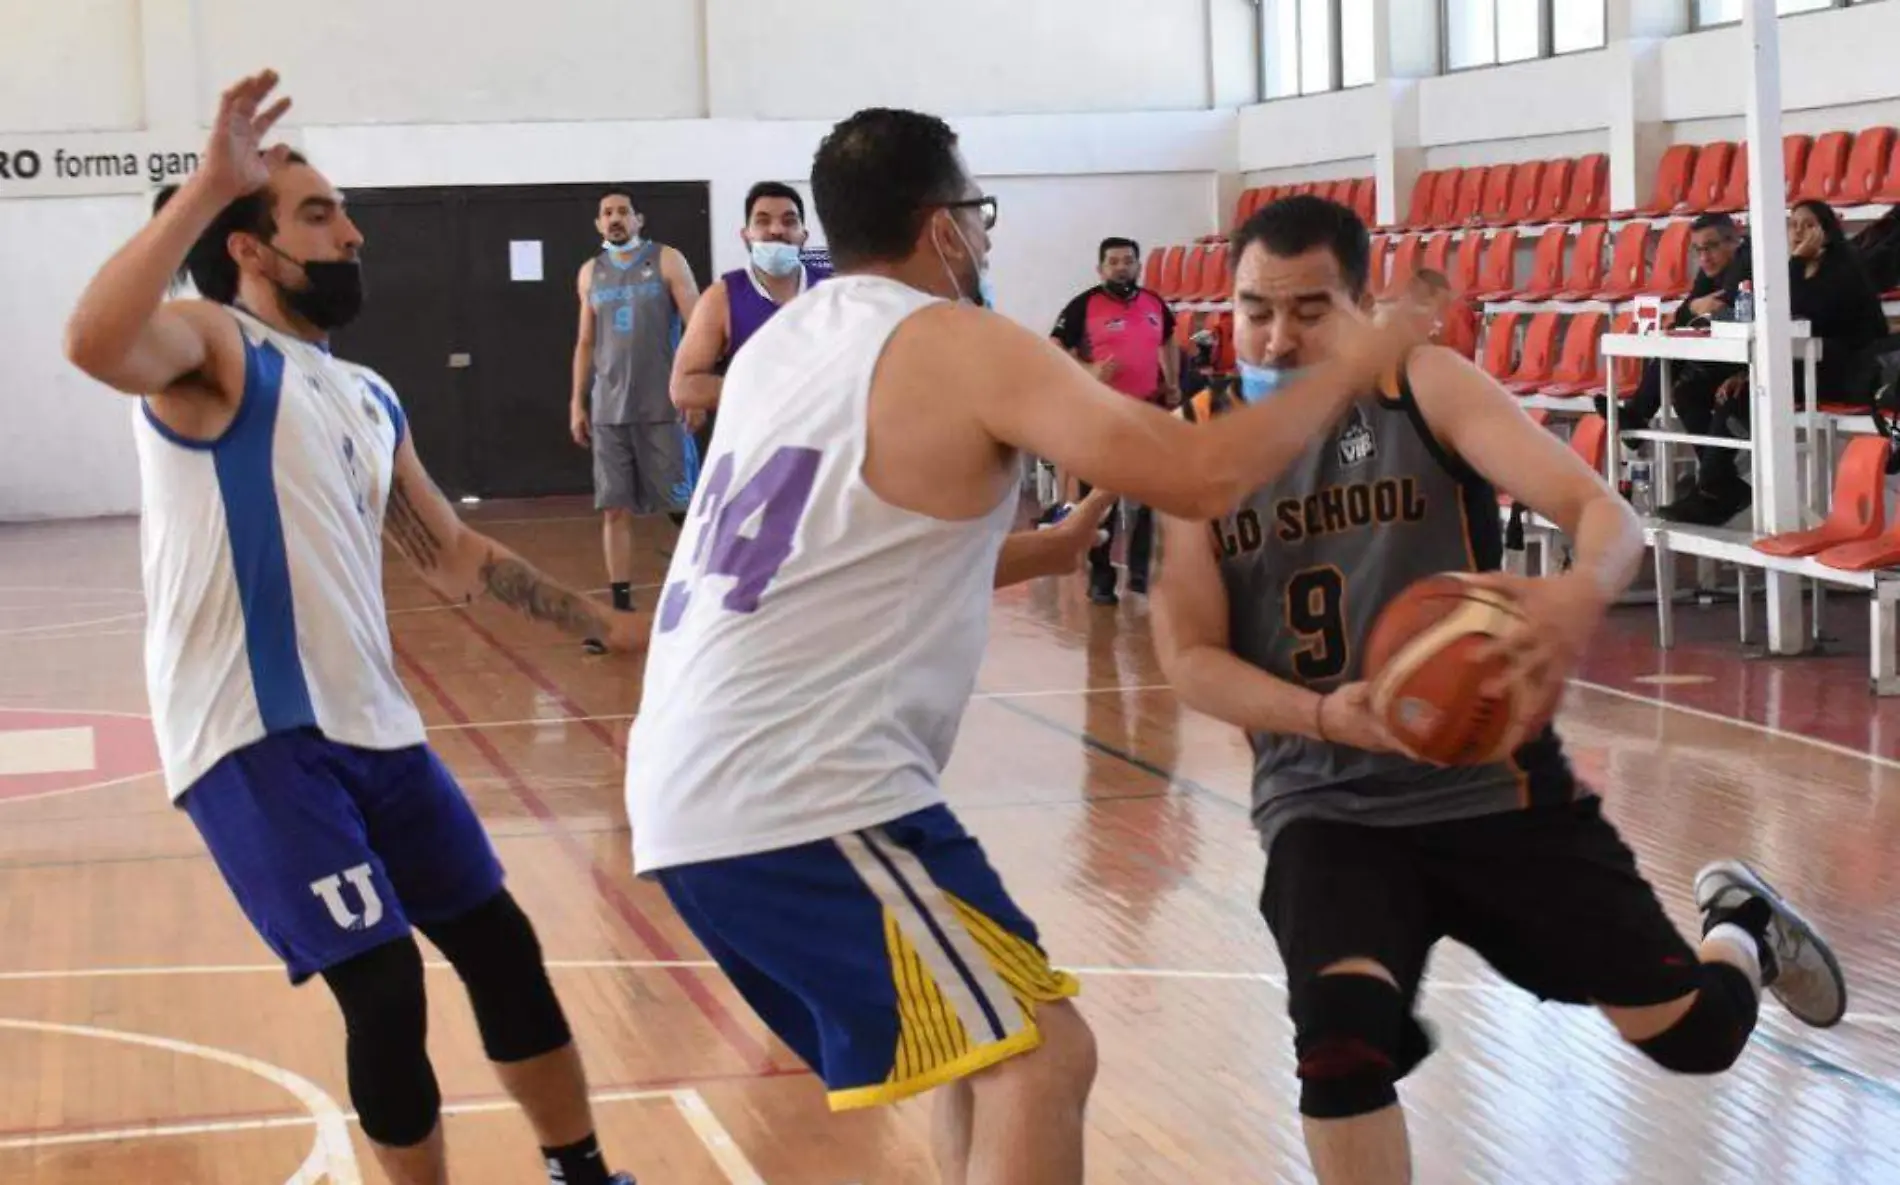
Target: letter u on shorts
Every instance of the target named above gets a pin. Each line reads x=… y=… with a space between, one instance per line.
x=891 y=960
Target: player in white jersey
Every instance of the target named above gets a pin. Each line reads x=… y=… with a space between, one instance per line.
x=819 y=636
x=272 y=471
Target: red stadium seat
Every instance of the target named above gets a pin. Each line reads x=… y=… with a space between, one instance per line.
x=1534 y=361
x=1553 y=194
x=1423 y=191
x=1525 y=186
x=1822 y=180
x=1795 y=148
x=1217 y=276
x=1547 y=268
x=1444 y=211
x=1669 y=271
x=1628 y=371
x=1711 y=174
x=1889 y=189
x=1470 y=197
x=1437 y=254
x=1460 y=332
x=1464 y=265
x=1580 y=370
x=1365 y=200
x=1500 y=345
x=1151 y=274
x=1168 y=284
x=1586 y=263
x=1672 y=182
x=1404 y=262
x=1588 y=438
x=1735 y=189
x=1193 y=265
x=1859 y=510
x=1866 y=166
x=1628 y=267
x=1494 y=208
x=1375 y=264
x=1498 y=271
x=1589 y=190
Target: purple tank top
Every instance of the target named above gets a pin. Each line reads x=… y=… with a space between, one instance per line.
x=748 y=308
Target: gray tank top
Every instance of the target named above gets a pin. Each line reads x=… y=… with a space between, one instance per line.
x=1309 y=561
x=636 y=331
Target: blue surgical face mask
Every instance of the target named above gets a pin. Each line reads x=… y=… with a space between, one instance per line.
x=775 y=259
x=1258 y=382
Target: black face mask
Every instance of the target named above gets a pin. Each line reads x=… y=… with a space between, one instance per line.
x=334 y=295
x=1120 y=289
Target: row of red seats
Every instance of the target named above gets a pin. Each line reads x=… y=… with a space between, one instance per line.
x=1527 y=193
x=1359 y=194
x=1840 y=168
x=1194 y=273
x=1484 y=269
x=1557 y=355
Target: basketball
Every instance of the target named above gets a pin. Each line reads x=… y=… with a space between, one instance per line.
x=1422 y=661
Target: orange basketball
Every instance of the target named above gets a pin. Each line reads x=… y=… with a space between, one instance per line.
x=1421 y=659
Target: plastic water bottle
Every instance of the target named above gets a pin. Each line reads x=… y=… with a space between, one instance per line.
x=1641 y=498
x=1745 y=303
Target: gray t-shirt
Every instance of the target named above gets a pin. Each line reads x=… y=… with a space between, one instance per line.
x=1309 y=561
x=636 y=332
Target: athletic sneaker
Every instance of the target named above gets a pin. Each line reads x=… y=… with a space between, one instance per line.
x=1797 y=964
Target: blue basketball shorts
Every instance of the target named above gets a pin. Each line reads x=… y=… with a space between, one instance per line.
x=332 y=850
x=890 y=960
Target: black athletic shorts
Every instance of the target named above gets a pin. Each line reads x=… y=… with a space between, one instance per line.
x=1549 y=896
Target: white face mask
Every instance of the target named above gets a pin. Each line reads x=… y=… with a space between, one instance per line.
x=632 y=244
x=985 y=295
x=774 y=258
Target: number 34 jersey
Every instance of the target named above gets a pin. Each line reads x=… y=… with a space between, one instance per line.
x=1308 y=563
x=814 y=646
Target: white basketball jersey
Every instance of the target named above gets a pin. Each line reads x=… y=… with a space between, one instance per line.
x=263 y=563
x=815 y=646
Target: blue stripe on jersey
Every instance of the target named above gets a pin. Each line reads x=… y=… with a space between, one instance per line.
x=392 y=407
x=247 y=482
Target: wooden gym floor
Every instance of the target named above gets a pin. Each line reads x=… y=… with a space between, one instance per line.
x=146 y=1035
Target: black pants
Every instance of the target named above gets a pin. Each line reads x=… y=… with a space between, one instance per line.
x=1550 y=896
x=1692 y=395
x=1140 y=548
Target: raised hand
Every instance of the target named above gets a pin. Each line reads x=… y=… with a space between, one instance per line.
x=235 y=161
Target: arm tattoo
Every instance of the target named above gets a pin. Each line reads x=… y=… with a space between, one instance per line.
x=408 y=531
x=515 y=584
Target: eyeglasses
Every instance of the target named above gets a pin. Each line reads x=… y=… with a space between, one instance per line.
x=986 y=204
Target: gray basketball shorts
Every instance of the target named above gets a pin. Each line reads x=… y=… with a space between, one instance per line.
x=645 y=468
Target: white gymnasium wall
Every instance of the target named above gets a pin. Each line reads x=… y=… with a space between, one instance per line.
x=67 y=447
x=69 y=65
x=802 y=59
x=1520 y=148
x=443 y=61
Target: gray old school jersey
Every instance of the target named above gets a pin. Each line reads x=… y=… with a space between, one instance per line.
x=636 y=331
x=1309 y=561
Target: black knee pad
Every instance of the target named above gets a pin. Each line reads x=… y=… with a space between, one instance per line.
x=494 y=949
x=386 y=1014
x=1713 y=1033
x=1354 y=1041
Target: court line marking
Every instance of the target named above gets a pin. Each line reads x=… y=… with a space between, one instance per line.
x=68 y=588
x=1752 y=725
x=692 y=1106
x=331 y=1154
x=54 y=627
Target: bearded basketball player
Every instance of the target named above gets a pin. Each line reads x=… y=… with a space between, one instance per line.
x=272 y=472
x=1261 y=617
x=820 y=631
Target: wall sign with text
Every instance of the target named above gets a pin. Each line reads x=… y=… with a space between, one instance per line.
x=86 y=163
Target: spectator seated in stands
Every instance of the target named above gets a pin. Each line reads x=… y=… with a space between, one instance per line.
x=1722 y=264
x=1828 y=288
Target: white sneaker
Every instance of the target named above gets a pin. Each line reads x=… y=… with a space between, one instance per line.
x=1800 y=969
